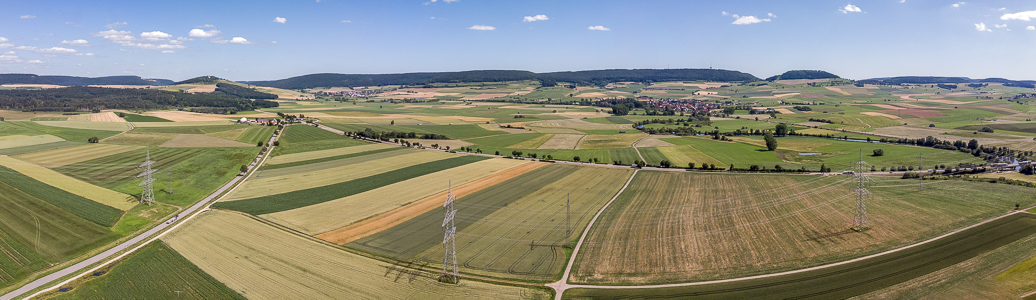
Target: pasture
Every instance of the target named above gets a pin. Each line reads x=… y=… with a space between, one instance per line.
x=515 y=229
x=728 y=152
x=198 y=140
x=250 y=258
x=725 y=225
x=155 y=271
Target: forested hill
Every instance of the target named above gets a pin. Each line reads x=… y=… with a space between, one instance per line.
x=79 y=98
x=73 y=80
x=802 y=74
x=938 y=79
x=594 y=77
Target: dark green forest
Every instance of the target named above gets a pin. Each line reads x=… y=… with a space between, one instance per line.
x=802 y=74
x=243 y=92
x=73 y=80
x=90 y=98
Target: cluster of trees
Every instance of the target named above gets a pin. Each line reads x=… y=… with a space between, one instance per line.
x=603 y=77
x=947 y=86
x=802 y=74
x=201 y=80
x=802 y=108
x=243 y=92
x=76 y=81
x=95 y=98
x=388 y=135
x=821 y=120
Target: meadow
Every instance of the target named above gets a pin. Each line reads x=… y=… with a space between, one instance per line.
x=69 y=134
x=249 y=257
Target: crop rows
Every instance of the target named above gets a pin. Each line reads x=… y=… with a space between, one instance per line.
x=75 y=204
x=188 y=129
x=254 y=135
x=112 y=170
x=335 y=158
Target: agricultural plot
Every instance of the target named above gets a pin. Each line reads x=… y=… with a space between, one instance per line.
x=563 y=141
x=610 y=141
x=70 y=155
x=681 y=156
x=35 y=234
x=71 y=185
x=209 y=122
x=254 y=135
x=106 y=126
x=154 y=271
x=623 y=156
x=132 y=118
x=188 y=129
x=248 y=257
x=16 y=141
x=296 y=178
x=511 y=140
x=69 y=134
x=516 y=229
x=306 y=197
x=652 y=156
x=140 y=139
x=34 y=148
x=105 y=117
x=729 y=152
x=453 y=131
x=77 y=205
x=324 y=154
x=302 y=138
x=725 y=226
x=198 y=140
x=334 y=214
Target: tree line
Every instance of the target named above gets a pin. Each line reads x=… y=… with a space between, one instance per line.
x=77 y=98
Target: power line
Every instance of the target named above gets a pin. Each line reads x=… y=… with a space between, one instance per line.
x=148 y=195
x=449 y=245
x=860 y=222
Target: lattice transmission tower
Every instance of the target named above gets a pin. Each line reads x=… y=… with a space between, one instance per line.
x=568 y=215
x=449 y=240
x=148 y=195
x=860 y=222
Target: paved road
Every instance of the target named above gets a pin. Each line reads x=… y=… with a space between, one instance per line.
x=125 y=245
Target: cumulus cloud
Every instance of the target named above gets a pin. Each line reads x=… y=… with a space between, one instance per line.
x=482 y=27
x=155 y=36
x=850 y=8
x=9 y=45
x=198 y=33
x=725 y=13
x=599 y=27
x=115 y=25
x=446 y=1
x=3 y=39
x=10 y=56
x=116 y=36
x=168 y=51
x=348 y=21
x=1000 y=25
x=1023 y=16
x=982 y=27
x=30 y=48
x=535 y=18
x=35 y=61
x=28 y=17
x=771 y=15
x=957 y=5
x=745 y=20
x=57 y=50
x=280 y=20
x=150 y=46
x=1030 y=28
x=79 y=42
x=239 y=40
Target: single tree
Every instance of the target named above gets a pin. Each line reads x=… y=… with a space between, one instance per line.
x=690 y=165
x=879 y=152
x=260 y=144
x=244 y=168
x=92 y=139
x=771 y=142
x=575 y=158
x=822 y=168
x=276 y=143
x=781 y=130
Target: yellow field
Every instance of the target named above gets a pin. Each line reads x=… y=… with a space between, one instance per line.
x=139 y=139
x=109 y=126
x=327 y=216
x=21 y=140
x=681 y=155
x=71 y=185
x=105 y=117
x=265 y=186
x=199 y=140
x=533 y=143
x=79 y=118
x=563 y=141
x=228 y=135
x=70 y=155
x=610 y=141
x=262 y=262
x=304 y=156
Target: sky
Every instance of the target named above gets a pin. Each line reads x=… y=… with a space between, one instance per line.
x=269 y=40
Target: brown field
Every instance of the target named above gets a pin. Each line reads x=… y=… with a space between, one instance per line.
x=200 y=88
x=394 y=217
x=80 y=118
x=199 y=140
x=840 y=91
x=563 y=141
x=920 y=113
x=950 y=102
x=878 y=114
x=106 y=116
x=484 y=96
x=183 y=116
x=20 y=115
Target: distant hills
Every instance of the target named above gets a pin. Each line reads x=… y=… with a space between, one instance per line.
x=73 y=80
x=938 y=79
x=592 y=77
x=802 y=74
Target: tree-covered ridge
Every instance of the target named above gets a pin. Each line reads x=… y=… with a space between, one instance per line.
x=594 y=77
x=89 y=98
x=243 y=92
x=802 y=74
x=201 y=80
x=938 y=79
x=74 y=81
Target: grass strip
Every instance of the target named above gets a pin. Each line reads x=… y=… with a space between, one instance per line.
x=84 y=208
x=302 y=198
x=326 y=159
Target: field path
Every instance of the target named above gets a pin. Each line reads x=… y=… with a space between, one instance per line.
x=864 y=123
x=634 y=145
x=120 y=133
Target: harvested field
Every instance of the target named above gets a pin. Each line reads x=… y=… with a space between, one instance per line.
x=140 y=139
x=515 y=229
x=183 y=116
x=484 y=96
x=563 y=141
x=198 y=140
x=228 y=134
x=87 y=209
x=106 y=117
x=107 y=126
x=297 y=178
x=611 y=141
x=23 y=141
x=533 y=143
x=330 y=215
x=181 y=124
x=49 y=177
x=920 y=113
x=838 y=90
x=249 y=257
x=78 y=118
x=397 y=216
x=70 y=155
x=744 y=225
x=680 y=156
x=655 y=141
x=297 y=157
x=189 y=129
x=34 y=148
x=302 y=198
x=878 y=114
x=784 y=111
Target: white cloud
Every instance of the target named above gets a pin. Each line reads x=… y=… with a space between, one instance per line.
x=79 y=42
x=155 y=36
x=10 y=56
x=348 y=21
x=1000 y=25
x=168 y=51
x=6 y=45
x=198 y=33
x=239 y=40
x=982 y=27
x=150 y=46
x=273 y=42
x=957 y=5
x=180 y=40
x=115 y=25
x=1030 y=28
x=850 y=8
x=280 y=20
x=57 y=50
x=3 y=39
x=28 y=17
x=771 y=15
x=31 y=48
x=599 y=27
x=208 y=26
x=482 y=27
x=1023 y=15
x=725 y=13
x=1002 y=9
x=745 y=20
x=121 y=37
x=535 y=18
x=35 y=61
x=902 y=1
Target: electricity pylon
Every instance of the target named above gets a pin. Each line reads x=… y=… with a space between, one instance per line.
x=860 y=218
x=148 y=195
x=449 y=245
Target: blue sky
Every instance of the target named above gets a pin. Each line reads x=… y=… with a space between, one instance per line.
x=260 y=40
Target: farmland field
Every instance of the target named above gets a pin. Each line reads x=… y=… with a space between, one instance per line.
x=23 y=141
x=106 y=126
x=728 y=152
x=249 y=257
x=303 y=138
x=315 y=155
x=188 y=129
x=85 y=208
x=255 y=135
x=155 y=271
x=140 y=139
x=69 y=134
x=70 y=155
x=742 y=225
x=35 y=234
x=563 y=141
x=305 y=197
x=198 y=140
x=140 y=118
x=330 y=215
x=514 y=229
x=680 y=156
x=49 y=177
x=40 y=147
x=610 y=141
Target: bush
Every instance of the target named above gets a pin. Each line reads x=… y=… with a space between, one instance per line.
x=276 y=143
x=986 y=129
x=92 y=140
x=879 y=152
x=1027 y=170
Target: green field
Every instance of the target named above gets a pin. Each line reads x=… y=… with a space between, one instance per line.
x=153 y=272
x=850 y=279
x=85 y=208
x=140 y=118
x=34 y=148
x=503 y=141
x=297 y=199
x=741 y=155
x=255 y=135
x=69 y=134
x=188 y=129
x=303 y=138
x=331 y=158
x=35 y=234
